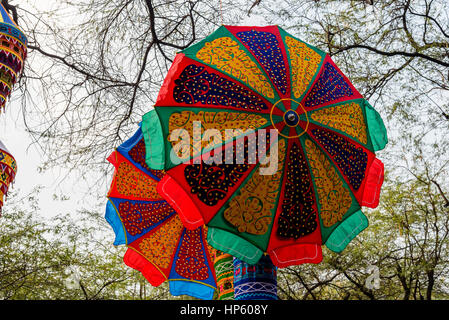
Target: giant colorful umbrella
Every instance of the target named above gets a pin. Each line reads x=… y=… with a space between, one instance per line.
x=8 y=170
x=159 y=246
x=322 y=130
x=13 y=51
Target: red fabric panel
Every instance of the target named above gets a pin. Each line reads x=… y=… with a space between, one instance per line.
x=181 y=201
x=112 y=159
x=149 y=271
x=373 y=184
x=296 y=254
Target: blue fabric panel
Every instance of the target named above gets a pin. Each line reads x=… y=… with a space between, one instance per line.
x=113 y=219
x=5 y=16
x=192 y=289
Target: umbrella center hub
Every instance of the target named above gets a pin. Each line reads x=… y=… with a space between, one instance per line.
x=291 y=118
x=291 y=125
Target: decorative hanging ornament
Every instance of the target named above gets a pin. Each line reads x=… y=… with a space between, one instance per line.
x=243 y=85
x=8 y=170
x=159 y=246
x=13 y=52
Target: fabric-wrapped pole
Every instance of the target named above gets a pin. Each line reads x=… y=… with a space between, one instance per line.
x=255 y=282
x=224 y=270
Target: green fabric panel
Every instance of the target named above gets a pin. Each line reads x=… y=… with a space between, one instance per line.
x=376 y=128
x=327 y=231
x=223 y=32
x=298 y=129
x=164 y=116
x=283 y=34
x=235 y=245
x=281 y=106
x=285 y=131
x=154 y=141
x=346 y=231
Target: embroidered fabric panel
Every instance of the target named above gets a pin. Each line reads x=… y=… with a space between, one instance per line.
x=140 y=216
x=304 y=63
x=12 y=45
x=334 y=198
x=255 y=282
x=298 y=215
x=224 y=270
x=220 y=121
x=252 y=209
x=209 y=248
x=266 y=48
x=330 y=86
x=159 y=247
x=7 y=76
x=5 y=91
x=8 y=163
x=12 y=57
x=352 y=160
x=132 y=182
x=226 y=55
x=347 y=118
x=190 y=261
x=197 y=85
x=11 y=61
x=211 y=182
x=5 y=180
x=8 y=169
x=10 y=29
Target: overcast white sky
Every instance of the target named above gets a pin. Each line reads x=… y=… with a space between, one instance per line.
x=28 y=158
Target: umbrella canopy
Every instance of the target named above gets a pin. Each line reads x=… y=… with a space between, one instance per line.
x=317 y=130
x=159 y=246
x=8 y=170
x=13 y=51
